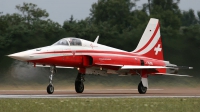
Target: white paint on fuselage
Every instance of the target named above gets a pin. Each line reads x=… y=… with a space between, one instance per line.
x=95 y=46
x=40 y=53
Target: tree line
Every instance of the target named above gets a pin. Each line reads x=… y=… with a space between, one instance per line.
x=118 y=23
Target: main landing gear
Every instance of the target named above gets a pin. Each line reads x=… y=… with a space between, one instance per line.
x=143 y=85
x=141 y=88
x=50 y=88
x=79 y=86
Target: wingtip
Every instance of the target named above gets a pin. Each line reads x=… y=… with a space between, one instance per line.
x=190 y=67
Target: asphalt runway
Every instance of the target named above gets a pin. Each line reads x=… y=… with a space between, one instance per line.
x=102 y=93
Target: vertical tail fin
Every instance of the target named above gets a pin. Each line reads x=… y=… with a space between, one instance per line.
x=150 y=44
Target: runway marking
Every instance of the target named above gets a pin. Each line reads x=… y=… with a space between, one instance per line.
x=134 y=89
x=80 y=96
x=89 y=90
x=45 y=90
x=98 y=93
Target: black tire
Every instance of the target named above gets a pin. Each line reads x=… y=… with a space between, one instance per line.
x=79 y=86
x=141 y=88
x=50 y=89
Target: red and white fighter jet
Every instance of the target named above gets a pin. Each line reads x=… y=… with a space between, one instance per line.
x=93 y=58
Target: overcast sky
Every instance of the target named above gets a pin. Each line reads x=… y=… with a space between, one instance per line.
x=61 y=10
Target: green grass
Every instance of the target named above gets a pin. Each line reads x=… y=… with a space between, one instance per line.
x=101 y=105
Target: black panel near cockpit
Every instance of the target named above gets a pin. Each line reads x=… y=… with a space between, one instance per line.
x=75 y=42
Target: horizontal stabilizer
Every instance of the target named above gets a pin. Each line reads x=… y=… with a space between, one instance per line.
x=143 y=67
x=181 y=67
x=174 y=74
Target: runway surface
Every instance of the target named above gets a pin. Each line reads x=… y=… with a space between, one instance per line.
x=102 y=93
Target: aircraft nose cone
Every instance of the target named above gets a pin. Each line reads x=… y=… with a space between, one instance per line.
x=18 y=56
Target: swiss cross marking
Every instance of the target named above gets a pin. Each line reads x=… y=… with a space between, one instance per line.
x=157 y=49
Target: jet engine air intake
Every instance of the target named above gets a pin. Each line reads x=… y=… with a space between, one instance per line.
x=87 y=61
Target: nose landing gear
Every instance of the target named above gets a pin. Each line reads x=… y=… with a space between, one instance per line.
x=50 y=88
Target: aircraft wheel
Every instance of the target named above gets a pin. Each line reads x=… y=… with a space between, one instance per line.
x=50 y=89
x=141 y=88
x=79 y=86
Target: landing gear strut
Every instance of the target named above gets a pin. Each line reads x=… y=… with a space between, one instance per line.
x=79 y=86
x=50 y=88
x=141 y=88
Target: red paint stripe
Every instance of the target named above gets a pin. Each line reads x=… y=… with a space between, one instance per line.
x=90 y=51
x=86 y=52
x=152 y=37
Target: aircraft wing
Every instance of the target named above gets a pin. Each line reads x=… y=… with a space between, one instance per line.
x=132 y=67
x=108 y=64
x=50 y=66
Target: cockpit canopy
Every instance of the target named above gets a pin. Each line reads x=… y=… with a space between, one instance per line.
x=69 y=42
